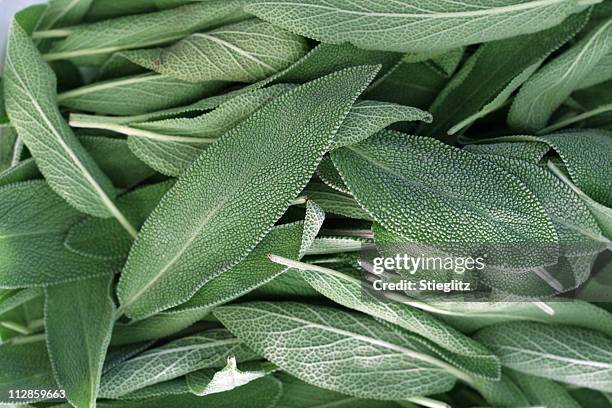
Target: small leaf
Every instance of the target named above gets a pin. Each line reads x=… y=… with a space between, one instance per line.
x=179 y=357
x=247 y=51
x=204 y=382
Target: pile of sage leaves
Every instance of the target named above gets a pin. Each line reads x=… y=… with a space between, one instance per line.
x=185 y=187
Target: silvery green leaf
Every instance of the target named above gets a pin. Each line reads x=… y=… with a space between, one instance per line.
x=79 y=318
x=23 y=171
x=173 y=387
x=104 y=9
x=369 y=117
x=91 y=44
x=267 y=170
x=290 y=240
x=247 y=51
x=32 y=234
x=135 y=95
x=503 y=392
x=204 y=350
x=405 y=182
x=544 y=392
x=298 y=394
x=411 y=25
x=334 y=201
x=562 y=353
x=346 y=290
x=29 y=87
x=160 y=325
x=62 y=13
x=104 y=238
x=206 y=382
x=531 y=152
x=262 y=393
x=497 y=69
x=339 y=350
x=328 y=173
x=25 y=366
x=118 y=354
x=546 y=90
x=602 y=72
x=17 y=297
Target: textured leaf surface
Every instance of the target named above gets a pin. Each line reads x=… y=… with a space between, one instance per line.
x=498 y=69
x=563 y=353
x=205 y=382
x=136 y=95
x=337 y=350
x=543 y=93
x=29 y=87
x=172 y=360
x=273 y=154
x=347 y=291
x=78 y=321
x=247 y=51
x=540 y=391
x=256 y=269
x=92 y=43
x=410 y=25
x=25 y=366
x=32 y=233
x=392 y=175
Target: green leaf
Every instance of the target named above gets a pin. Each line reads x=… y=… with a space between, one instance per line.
x=298 y=394
x=63 y=13
x=289 y=240
x=501 y=393
x=104 y=238
x=173 y=387
x=416 y=187
x=136 y=95
x=262 y=393
x=161 y=325
x=562 y=353
x=15 y=298
x=247 y=51
x=91 y=44
x=411 y=25
x=206 y=382
x=328 y=173
x=334 y=201
x=23 y=171
x=172 y=360
x=308 y=341
x=32 y=234
x=546 y=90
x=347 y=290
x=531 y=152
x=79 y=318
x=267 y=168
x=104 y=9
x=369 y=117
x=25 y=366
x=30 y=101
x=540 y=391
x=497 y=69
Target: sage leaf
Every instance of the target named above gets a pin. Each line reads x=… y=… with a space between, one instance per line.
x=346 y=290
x=23 y=171
x=278 y=330
x=136 y=95
x=546 y=90
x=179 y=357
x=290 y=240
x=25 y=365
x=499 y=68
x=334 y=201
x=63 y=13
x=77 y=343
x=30 y=101
x=16 y=298
x=204 y=382
x=410 y=26
x=541 y=391
x=147 y=283
x=298 y=394
x=247 y=51
x=32 y=236
x=583 y=357
x=173 y=387
x=397 y=171
x=104 y=9
x=91 y=44
x=86 y=237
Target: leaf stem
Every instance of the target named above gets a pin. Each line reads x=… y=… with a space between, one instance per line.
x=81 y=121
x=27 y=339
x=19 y=328
x=428 y=402
x=57 y=33
x=561 y=124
